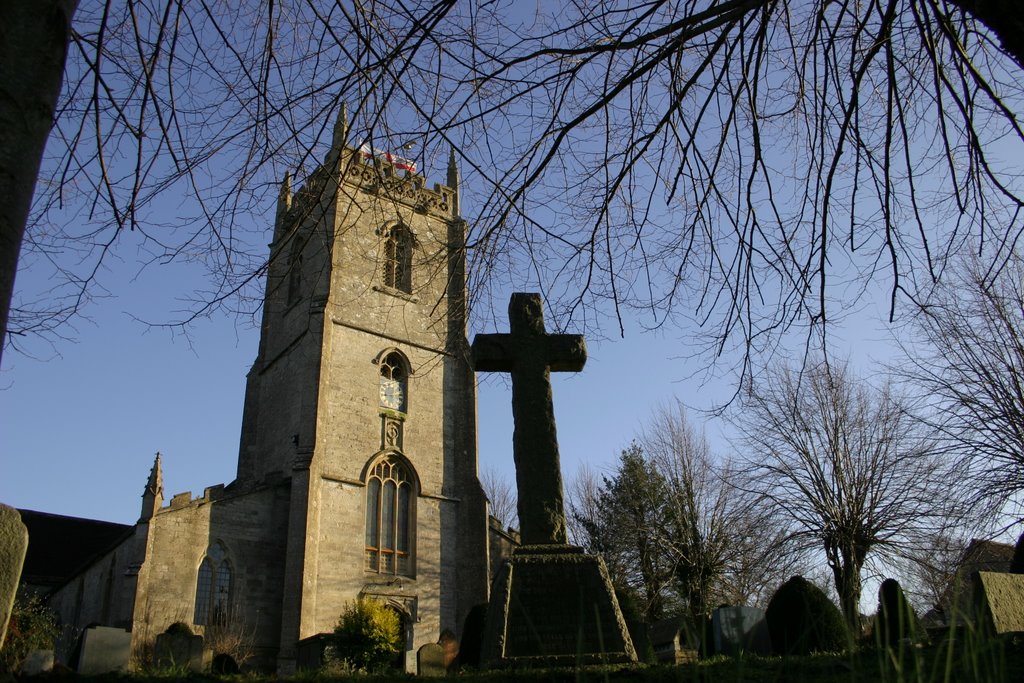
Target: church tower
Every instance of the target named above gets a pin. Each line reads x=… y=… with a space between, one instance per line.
x=357 y=469
x=362 y=395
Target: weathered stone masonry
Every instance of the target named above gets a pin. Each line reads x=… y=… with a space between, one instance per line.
x=292 y=529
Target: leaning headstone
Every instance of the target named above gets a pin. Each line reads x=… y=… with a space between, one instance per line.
x=13 y=544
x=1000 y=601
x=103 y=650
x=311 y=653
x=430 y=660
x=740 y=629
x=37 y=662
x=551 y=604
x=179 y=650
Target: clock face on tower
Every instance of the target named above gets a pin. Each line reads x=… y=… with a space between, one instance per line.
x=391 y=394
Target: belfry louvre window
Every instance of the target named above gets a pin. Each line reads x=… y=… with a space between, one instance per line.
x=398 y=259
x=389 y=518
x=213 y=588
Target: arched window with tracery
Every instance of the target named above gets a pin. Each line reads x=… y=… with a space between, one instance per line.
x=398 y=259
x=390 y=518
x=213 y=587
x=394 y=382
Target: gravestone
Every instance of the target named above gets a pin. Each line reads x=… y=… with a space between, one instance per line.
x=181 y=650
x=1000 y=601
x=13 y=544
x=551 y=604
x=740 y=629
x=311 y=652
x=37 y=662
x=430 y=660
x=104 y=650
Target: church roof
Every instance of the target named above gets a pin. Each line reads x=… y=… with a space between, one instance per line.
x=58 y=546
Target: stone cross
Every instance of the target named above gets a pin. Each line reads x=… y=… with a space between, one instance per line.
x=530 y=354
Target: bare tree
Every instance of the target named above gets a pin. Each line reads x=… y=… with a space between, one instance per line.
x=844 y=467
x=697 y=526
x=932 y=571
x=727 y=161
x=673 y=530
x=502 y=496
x=968 y=363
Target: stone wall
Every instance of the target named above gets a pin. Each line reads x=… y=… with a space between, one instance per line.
x=102 y=592
x=251 y=527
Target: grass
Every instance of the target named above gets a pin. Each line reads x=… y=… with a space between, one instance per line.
x=996 y=660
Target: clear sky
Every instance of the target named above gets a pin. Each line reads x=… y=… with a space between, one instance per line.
x=80 y=423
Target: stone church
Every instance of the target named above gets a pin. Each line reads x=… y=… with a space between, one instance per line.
x=357 y=466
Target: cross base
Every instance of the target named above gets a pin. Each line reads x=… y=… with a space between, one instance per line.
x=554 y=605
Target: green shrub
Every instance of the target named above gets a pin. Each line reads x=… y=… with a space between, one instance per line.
x=32 y=627
x=368 y=635
x=895 y=619
x=801 y=620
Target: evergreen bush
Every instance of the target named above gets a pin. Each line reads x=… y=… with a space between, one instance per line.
x=368 y=635
x=895 y=619
x=801 y=620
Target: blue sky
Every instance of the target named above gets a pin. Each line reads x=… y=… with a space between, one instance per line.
x=80 y=423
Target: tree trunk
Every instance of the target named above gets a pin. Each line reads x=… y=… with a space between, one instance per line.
x=1003 y=18
x=34 y=37
x=846 y=570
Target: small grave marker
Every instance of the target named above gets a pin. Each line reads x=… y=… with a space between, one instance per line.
x=430 y=660
x=104 y=650
x=740 y=629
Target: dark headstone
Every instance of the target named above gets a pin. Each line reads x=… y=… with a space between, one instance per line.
x=430 y=660
x=177 y=649
x=224 y=665
x=13 y=544
x=311 y=652
x=104 y=650
x=551 y=603
x=472 y=636
x=740 y=629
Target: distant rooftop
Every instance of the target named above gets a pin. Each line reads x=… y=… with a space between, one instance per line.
x=58 y=546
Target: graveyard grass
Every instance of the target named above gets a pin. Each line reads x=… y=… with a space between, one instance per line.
x=976 y=660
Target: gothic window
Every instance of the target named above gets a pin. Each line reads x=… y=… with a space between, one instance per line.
x=213 y=587
x=398 y=259
x=394 y=382
x=389 y=518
